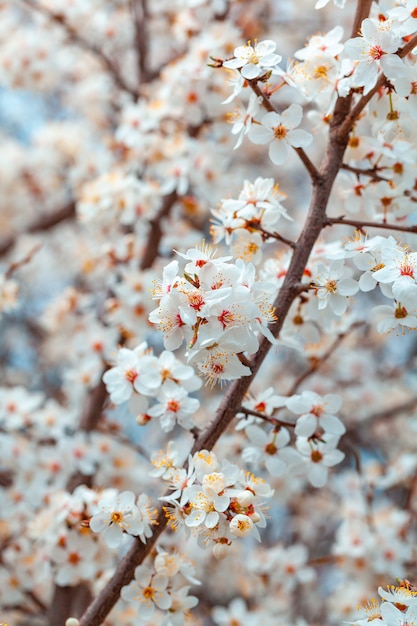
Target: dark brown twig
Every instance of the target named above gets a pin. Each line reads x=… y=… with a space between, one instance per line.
x=45 y=222
x=360 y=224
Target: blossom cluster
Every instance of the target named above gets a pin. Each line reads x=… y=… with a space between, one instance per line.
x=217 y=500
x=217 y=307
x=139 y=374
x=126 y=155
x=317 y=430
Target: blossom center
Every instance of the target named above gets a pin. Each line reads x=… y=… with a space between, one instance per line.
x=280 y=132
x=316 y=456
x=321 y=71
x=131 y=375
x=400 y=312
x=149 y=593
x=376 y=52
x=116 y=517
x=173 y=405
x=407 y=270
x=331 y=286
x=74 y=558
x=271 y=448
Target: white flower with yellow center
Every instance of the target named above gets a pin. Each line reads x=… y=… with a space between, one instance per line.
x=253 y=61
x=149 y=590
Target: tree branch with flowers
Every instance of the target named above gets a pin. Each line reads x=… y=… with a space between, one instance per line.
x=238 y=366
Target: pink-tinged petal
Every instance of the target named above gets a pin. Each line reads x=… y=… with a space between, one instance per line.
x=163 y=601
x=275 y=465
x=332 y=424
x=233 y=63
x=259 y=134
x=146 y=610
x=257 y=435
x=212 y=519
x=113 y=535
x=317 y=475
x=250 y=71
x=306 y=425
x=347 y=287
x=278 y=152
x=131 y=592
x=338 y=304
x=98 y=523
x=333 y=458
x=291 y=117
x=299 y=138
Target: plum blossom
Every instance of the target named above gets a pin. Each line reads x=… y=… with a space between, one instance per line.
x=75 y=559
x=254 y=60
x=318 y=457
x=333 y=286
x=280 y=131
x=378 y=38
x=148 y=590
x=314 y=411
x=118 y=514
x=135 y=371
x=174 y=407
x=266 y=448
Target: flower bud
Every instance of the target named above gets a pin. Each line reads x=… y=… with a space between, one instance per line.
x=245 y=498
x=220 y=550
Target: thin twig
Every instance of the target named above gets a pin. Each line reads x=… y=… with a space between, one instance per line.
x=266 y=418
x=110 y=64
x=360 y=224
x=360 y=172
x=155 y=235
x=13 y=267
x=317 y=363
x=268 y=106
x=45 y=222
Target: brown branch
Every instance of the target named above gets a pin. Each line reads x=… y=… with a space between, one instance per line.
x=151 y=250
x=363 y=9
x=45 y=222
x=268 y=235
x=232 y=400
x=139 y=10
x=317 y=363
x=360 y=224
x=360 y=172
x=110 y=64
x=266 y=418
x=26 y=259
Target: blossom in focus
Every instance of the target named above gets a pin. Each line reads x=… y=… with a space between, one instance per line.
x=254 y=60
x=118 y=514
x=148 y=590
x=280 y=131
